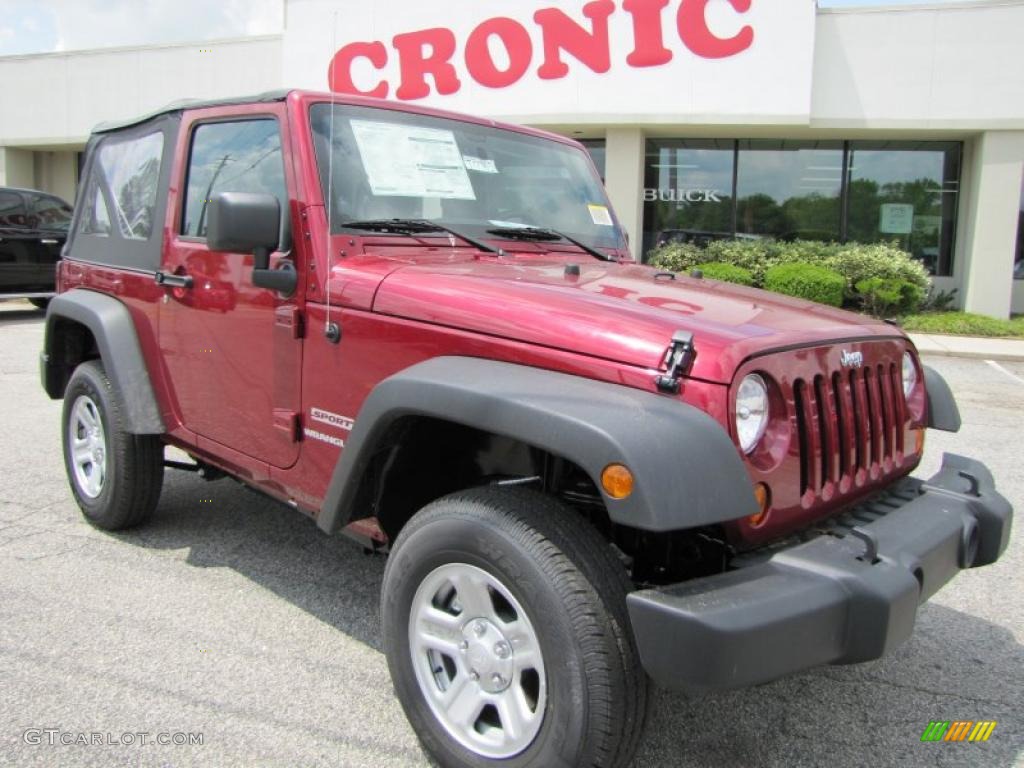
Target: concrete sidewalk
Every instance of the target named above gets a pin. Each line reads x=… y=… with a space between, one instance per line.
x=969 y=346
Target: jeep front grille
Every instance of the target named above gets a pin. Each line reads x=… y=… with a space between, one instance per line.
x=849 y=425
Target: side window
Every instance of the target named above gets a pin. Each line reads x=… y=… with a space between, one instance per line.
x=122 y=188
x=242 y=156
x=12 y=210
x=49 y=213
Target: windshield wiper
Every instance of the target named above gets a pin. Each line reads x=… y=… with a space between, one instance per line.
x=417 y=227
x=546 y=233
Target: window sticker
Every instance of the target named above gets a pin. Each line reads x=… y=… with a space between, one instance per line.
x=601 y=215
x=408 y=161
x=480 y=165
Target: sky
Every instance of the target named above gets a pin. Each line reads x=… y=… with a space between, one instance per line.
x=41 y=26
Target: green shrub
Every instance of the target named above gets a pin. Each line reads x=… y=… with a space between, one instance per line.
x=939 y=300
x=854 y=261
x=883 y=298
x=807 y=281
x=727 y=272
x=677 y=257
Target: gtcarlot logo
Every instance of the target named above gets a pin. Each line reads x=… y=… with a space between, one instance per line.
x=52 y=737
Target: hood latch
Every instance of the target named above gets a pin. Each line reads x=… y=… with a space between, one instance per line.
x=678 y=359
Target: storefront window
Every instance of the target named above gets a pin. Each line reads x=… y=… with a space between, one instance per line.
x=596 y=148
x=906 y=192
x=688 y=191
x=699 y=190
x=789 y=190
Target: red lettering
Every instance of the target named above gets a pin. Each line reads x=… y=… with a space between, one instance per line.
x=563 y=34
x=416 y=64
x=339 y=73
x=675 y=305
x=481 y=64
x=649 y=49
x=693 y=29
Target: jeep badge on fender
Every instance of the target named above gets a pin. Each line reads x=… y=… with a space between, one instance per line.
x=425 y=331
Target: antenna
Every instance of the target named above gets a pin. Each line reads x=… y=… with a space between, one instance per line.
x=331 y=330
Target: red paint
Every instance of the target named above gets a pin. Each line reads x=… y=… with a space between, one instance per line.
x=416 y=63
x=339 y=74
x=562 y=33
x=518 y=46
x=648 y=37
x=400 y=301
x=694 y=32
x=429 y=54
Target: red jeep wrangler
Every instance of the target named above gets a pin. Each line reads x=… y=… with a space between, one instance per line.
x=424 y=330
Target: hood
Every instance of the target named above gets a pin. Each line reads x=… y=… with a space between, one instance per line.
x=621 y=312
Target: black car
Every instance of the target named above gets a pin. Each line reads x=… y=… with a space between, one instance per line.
x=33 y=228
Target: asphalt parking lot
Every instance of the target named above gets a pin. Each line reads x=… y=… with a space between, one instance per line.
x=233 y=617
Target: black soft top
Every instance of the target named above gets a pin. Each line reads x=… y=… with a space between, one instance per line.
x=177 y=107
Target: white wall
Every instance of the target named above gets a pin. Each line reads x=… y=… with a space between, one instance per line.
x=951 y=65
x=993 y=209
x=16 y=168
x=56 y=99
x=56 y=172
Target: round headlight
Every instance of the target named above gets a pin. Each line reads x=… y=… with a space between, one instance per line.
x=909 y=374
x=751 y=411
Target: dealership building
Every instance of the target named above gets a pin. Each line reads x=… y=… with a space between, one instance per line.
x=706 y=118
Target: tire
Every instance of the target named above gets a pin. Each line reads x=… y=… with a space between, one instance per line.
x=582 y=700
x=118 y=476
x=40 y=303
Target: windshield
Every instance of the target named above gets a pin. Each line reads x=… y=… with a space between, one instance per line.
x=395 y=165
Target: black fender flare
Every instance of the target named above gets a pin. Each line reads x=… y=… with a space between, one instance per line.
x=943 y=412
x=112 y=327
x=688 y=471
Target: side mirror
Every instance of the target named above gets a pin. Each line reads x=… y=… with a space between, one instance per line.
x=242 y=222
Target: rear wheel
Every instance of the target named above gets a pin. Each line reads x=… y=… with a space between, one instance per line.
x=115 y=476
x=507 y=636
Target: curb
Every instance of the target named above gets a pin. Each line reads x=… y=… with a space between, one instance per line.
x=1000 y=357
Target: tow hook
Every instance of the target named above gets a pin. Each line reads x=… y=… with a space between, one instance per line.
x=678 y=359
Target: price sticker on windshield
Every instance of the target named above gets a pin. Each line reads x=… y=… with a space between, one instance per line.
x=601 y=215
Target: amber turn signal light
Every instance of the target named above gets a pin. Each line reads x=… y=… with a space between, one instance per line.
x=617 y=481
x=764 y=500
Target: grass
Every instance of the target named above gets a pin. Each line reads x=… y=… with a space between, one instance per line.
x=963 y=324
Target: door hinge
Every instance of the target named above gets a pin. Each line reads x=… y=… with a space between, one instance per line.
x=288 y=422
x=289 y=319
x=678 y=359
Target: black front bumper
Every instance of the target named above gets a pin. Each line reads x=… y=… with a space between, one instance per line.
x=849 y=594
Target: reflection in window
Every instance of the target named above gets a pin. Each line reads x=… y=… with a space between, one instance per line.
x=789 y=190
x=12 y=210
x=232 y=157
x=906 y=192
x=688 y=191
x=122 y=187
x=50 y=213
x=95 y=218
x=1018 y=264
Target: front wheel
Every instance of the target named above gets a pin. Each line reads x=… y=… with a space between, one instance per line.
x=115 y=476
x=507 y=636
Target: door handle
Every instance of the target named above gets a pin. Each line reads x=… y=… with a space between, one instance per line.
x=173 y=281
